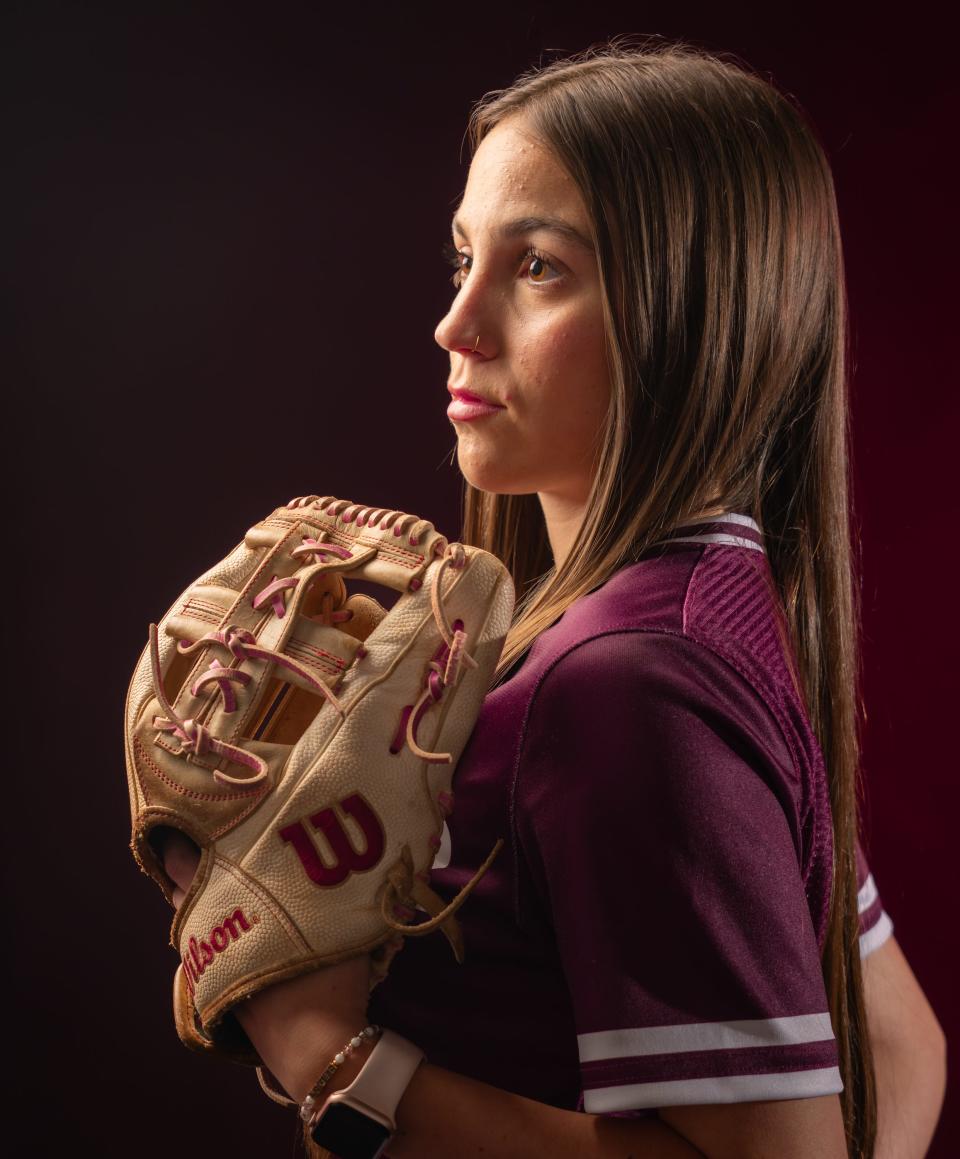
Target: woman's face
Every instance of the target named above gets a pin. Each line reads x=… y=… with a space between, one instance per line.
x=530 y=288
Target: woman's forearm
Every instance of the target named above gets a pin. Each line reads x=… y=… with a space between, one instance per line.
x=443 y=1114
x=911 y=1084
x=909 y=1054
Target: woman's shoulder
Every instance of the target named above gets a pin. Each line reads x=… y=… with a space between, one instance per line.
x=708 y=584
x=696 y=620
x=684 y=654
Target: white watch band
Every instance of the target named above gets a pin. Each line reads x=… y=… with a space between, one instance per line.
x=383 y=1078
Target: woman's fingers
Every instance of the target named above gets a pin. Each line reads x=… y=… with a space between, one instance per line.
x=180 y=857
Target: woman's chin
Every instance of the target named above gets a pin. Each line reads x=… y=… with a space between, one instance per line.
x=488 y=477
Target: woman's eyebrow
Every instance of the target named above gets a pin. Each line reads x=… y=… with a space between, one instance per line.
x=521 y=225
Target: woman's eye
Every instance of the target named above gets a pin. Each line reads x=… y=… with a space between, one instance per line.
x=461 y=268
x=535 y=265
x=539 y=266
x=456 y=259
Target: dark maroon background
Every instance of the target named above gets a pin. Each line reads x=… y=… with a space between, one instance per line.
x=225 y=228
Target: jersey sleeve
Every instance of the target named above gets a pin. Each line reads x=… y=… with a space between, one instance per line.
x=655 y=807
x=875 y=923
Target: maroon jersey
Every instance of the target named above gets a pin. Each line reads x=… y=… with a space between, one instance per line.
x=650 y=933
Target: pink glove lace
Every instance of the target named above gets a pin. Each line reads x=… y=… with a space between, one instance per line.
x=242 y=645
x=365 y=516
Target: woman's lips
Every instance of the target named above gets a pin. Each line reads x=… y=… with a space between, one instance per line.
x=466 y=406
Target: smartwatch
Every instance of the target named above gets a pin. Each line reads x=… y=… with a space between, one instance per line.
x=358 y=1122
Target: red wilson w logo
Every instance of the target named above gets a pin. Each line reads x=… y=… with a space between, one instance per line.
x=347 y=860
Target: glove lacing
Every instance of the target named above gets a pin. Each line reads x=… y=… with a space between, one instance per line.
x=404 y=886
x=195 y=738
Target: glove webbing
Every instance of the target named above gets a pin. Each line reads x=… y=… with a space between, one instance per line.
x=242 y=645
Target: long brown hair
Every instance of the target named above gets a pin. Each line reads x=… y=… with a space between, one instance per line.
x=715 y=222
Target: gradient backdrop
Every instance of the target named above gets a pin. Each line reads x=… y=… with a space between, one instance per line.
x=224 y=246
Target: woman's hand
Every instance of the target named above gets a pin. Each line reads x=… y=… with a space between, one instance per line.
x=295 y=1026
x=180 y=858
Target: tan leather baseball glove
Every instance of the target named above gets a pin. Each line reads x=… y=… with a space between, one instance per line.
x=305 y=738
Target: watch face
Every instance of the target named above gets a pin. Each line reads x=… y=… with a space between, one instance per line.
x=349 y=1133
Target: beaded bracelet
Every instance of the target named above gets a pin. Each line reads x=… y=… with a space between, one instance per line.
x=309 y=1104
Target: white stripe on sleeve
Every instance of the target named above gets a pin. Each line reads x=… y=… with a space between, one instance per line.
x=867 y=895
x=878 y=933
x=749 y=1032
x=801 y=1084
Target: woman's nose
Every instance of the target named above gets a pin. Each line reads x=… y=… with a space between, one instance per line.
x=459 y=330
x=453 y=335
x=454 y=344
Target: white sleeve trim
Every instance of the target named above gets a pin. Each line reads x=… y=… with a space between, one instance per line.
x=632 y=1042
x=878 y=933
x=867 y=894
x=799 y=1084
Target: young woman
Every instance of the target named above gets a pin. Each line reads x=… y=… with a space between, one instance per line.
x=666 y=958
